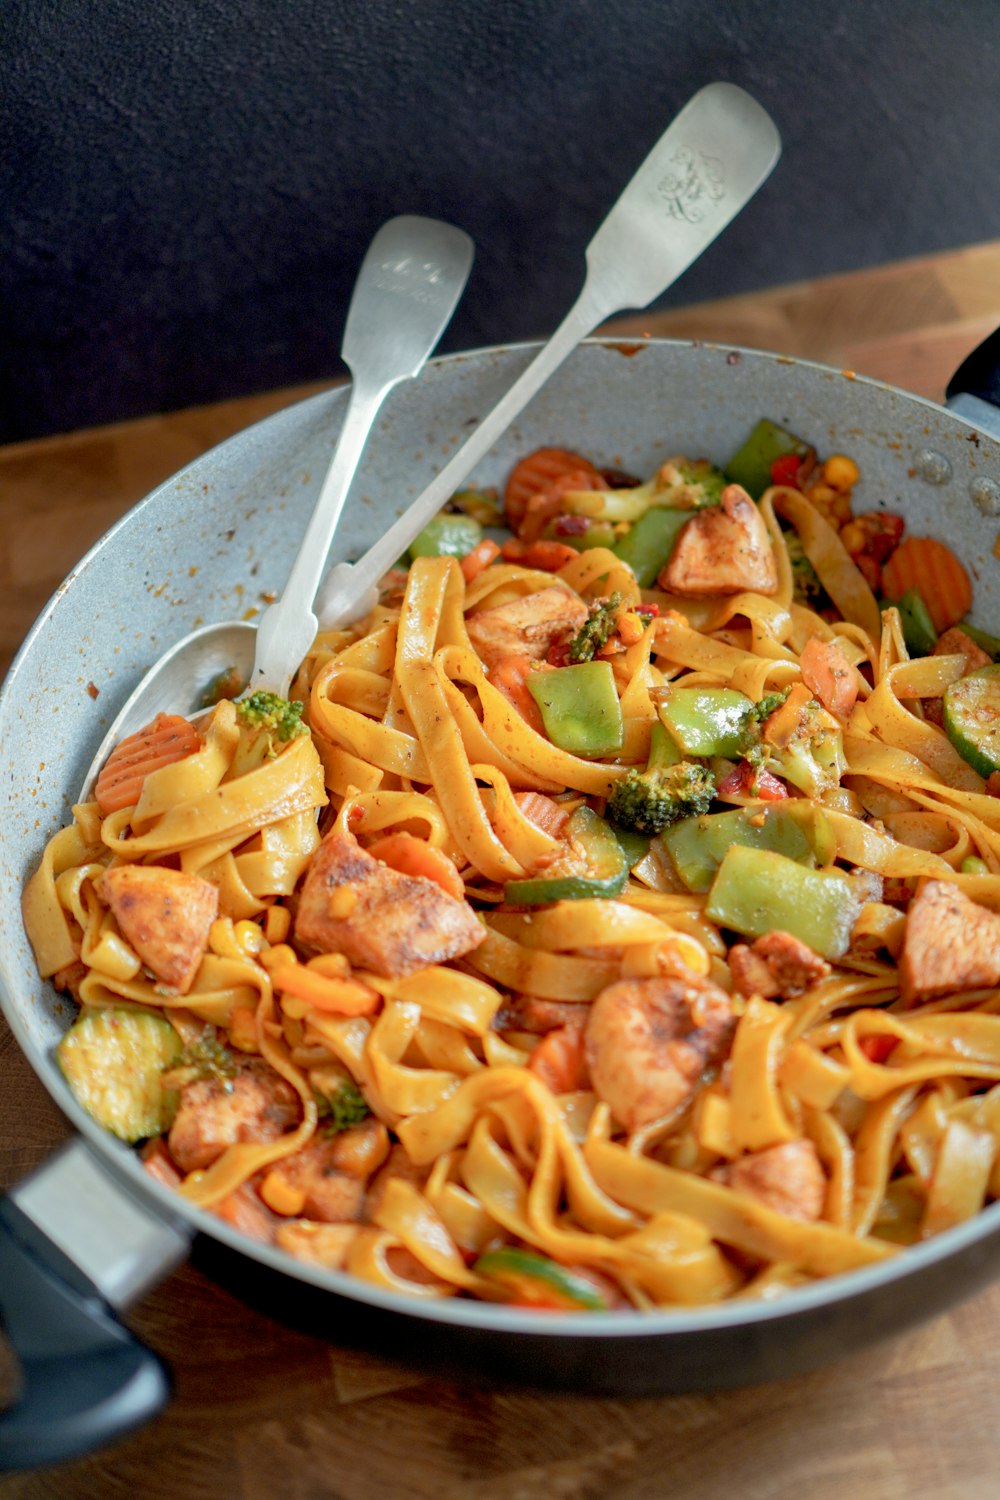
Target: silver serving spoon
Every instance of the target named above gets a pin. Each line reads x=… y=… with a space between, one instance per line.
x=407 y=289
x=705 y=167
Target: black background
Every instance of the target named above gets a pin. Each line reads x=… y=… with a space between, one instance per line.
x=188 y=188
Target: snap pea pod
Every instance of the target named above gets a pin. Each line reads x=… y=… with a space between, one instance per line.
x=797 y=829
x=757 y=891
x=750 y=465
x=647 y=545
x=580 y=708
x=708 y=721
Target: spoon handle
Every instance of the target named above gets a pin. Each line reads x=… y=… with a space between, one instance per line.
x=704 y=168
x=407 y=289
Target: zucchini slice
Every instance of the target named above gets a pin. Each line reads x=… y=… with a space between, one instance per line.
x=113 y=1061
x=533 y=1280
x=972 y=718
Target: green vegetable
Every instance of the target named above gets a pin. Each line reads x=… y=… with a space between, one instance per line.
x=647 y=801
x=757 y=891
x=580 y=707
x=600 y=626
x=918 y=627
x=340 y=1110
x=797 y=829
x=708 y=721
x=813 y=758
x=680 y=484
x=807 y=588
x=594 y=865
x=635 y=846
x=973 y=865
x=266 y=722
x=205 y=1057
x=482 y=505
x=982 y=638
x=535 y=1281
x=113 y=1060
x=646 y=546
x=750 y=465
x=972 y=718
x=447 y=536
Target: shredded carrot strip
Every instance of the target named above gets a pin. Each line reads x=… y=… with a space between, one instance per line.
x=828 y=674
x=413 y=856
x=168 y=739
x=510 y=676
x=543 y=812
x=922 y=562
x=344 y=997
x=560 y=1060
x=474 y=562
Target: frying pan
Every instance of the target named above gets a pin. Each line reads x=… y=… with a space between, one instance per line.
x=89 y=1232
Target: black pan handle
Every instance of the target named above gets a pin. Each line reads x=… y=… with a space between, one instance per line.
x=979 y=373
x=84 y=1378
x=77 y=1245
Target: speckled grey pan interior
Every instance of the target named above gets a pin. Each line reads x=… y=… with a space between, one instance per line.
x=210 y=541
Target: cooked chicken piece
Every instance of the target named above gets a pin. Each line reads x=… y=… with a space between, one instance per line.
x=534 y=1014
x=388 y=923
x=788 y=1179
x=397 y=1164
x=165 y=915
x=724 y=549
x=361 y=1149
x=777 y=964
x=955 y=642
x=526 y=626
x=213 y=1113
x=950 y=944
x=326 y=1245
x=328 y=1194
x=648 y=1042
x=245 y=1212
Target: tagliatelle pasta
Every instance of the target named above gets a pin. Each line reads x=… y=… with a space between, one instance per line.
x=457 y=1002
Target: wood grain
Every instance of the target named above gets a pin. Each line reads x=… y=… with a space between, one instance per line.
x=261 y=1410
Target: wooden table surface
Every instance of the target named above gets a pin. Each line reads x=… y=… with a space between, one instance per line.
x=260 y=1411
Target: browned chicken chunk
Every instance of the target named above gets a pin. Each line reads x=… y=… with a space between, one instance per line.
x=388 y=923
x=648 y=1042
x=950 y=944
x=777 y=965
x=527 y=626
x=955 y=642
x=724 y=549
x=165 y=915
x=536 y=1015
x=787 y=1178
x=256 y=1105
x=329 y=1195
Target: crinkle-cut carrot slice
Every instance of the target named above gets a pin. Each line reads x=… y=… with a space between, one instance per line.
x=168 y=739
x=560 y=1060
x=412 y=856
x=510 y=677
x=537 y=473
x=924 y=563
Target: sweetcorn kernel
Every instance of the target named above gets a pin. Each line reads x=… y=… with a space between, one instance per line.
x=840 y=472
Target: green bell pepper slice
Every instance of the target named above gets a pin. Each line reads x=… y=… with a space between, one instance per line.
x=580 y=708
x=646 y=546
x=447 y=536
x=750 y=465
x=797 y=829
x=595 y=864
x=989 y=643
x=757 y=891
x=708 y=721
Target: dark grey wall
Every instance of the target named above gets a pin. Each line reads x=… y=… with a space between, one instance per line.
x=187 y=188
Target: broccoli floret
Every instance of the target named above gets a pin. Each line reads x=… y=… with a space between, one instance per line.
x=648 y=801
x=813 y=759
x=204 y=1057
x=342 y=1109
x=598 y=630
x=806 y=586
x=768 y=704
x=267 y=722
x=679 y=484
